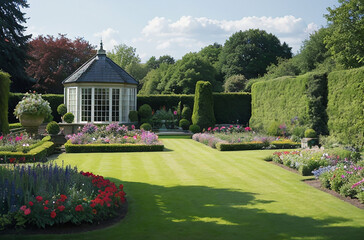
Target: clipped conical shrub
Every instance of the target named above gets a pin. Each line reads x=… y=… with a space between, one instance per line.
x=4 y=98
x=203 y=108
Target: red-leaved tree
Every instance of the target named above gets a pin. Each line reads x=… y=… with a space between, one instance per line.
x=54 y=59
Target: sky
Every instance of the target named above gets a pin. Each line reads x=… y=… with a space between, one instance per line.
x=169 y=27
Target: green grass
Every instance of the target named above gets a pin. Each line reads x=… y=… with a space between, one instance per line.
x=191 y=191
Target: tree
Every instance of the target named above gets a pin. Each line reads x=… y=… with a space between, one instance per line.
x=138 y=71
x=154 y=63
x=54 y=59
x=235 y=83
x=123 y=55
x=203 y=108
x=153 y=79
x=13 y=43
x=211 y=53
x=346 y=41
x=250 y=53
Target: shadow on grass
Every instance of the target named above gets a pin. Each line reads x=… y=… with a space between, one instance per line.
x=199 y=212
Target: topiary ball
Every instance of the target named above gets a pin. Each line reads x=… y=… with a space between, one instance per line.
x=68 y=117
x=310 y=133
x=53 y=128
x=145 y=111
x=184 y=124
x=62 y=109
x=146 y=127
x=133 y=116
x=195 y=128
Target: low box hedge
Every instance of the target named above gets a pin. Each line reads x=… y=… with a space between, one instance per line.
x=253 y=146
x=87 y=148
x=36 y=154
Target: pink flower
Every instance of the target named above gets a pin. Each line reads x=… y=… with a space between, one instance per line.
x=27 y=211
x=247 y=129
x=23 y=208
x=132 y=127
x=135 y=137
x=209 y=129
x=17 y=139
x=175 y=113
x=1 y=138
x=125 y=137
x=231 y=126
x=343 y=176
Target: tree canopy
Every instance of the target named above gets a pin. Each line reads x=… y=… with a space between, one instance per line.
x=13 y=43
x=250 y=52
x=124 y=55
x=346 y=41
x=54 y=59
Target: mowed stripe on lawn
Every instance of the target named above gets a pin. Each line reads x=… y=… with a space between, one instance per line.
x=191 y=191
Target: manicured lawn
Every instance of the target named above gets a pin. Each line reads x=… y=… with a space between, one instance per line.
x=191 y=191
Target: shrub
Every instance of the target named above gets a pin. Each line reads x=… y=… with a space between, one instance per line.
x=298 y=131
x=184 y=124
x=186 y=112
x=203 y=109
x=146 y=127
x=310 y=133
x=345 y=106
x=53 y=128
x=145 y=111
x=61 y=109
x=4 y=95
x=194 y=128
x=69 y=117
x=87 y=148
x=235 y=83
x=133 y=116
x=273 y=129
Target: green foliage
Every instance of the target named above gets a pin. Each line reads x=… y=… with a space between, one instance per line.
x=123 y=55
x=194 y=128
x=169 y=101
x=346 y=40
x=235 y=83
x=253 y=146
x=133 y=116
x=310 y=133
x=286 y=98
x=68 y=117
x=146 y=126
x=284 y=67
x=186 y=112
x=145 y=111
x=298 y=131
x=203 y=108
x=4 y=99
x=151 y=82
x=250 y=53
x=61 y=109
x=345 y=106
x=154 y=63
x=53 y=128
x=184 y=124
x=273 y=129
x=86 y=148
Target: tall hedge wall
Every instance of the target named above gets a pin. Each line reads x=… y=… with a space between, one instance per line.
x=53 y=99
x=346 y=105
x=228 y=107
x=285 y=98
x=4 y=95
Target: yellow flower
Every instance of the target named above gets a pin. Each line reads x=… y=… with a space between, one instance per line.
x=84 y=199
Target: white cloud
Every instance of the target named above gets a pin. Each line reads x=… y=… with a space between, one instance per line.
x=109 y=38
x=192 y=33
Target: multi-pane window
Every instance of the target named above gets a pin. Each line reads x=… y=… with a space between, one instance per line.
x=132 y=101
x=86 y=104
x=115 y=114
x=125 y=104
x=72 y=100
x=101 y=106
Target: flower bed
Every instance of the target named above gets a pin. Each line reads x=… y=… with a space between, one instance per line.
x=45 y=195
x=112 y=138
x=306 y=161
x=22 y=149
x=238 y=138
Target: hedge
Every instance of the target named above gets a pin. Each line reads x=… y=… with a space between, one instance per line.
x=345 y=105
x=87 y=148
x=203 y=108
x=37 y=154
x=254 y=146
x=4 y=97
x=239 y=110
x=54 y=101
x=284 y=98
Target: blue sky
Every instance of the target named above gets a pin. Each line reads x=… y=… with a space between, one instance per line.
x=171 y=27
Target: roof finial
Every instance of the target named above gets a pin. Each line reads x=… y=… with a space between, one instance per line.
x=101 y=48
x=101 y=51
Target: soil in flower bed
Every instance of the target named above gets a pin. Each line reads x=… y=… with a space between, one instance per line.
x=70 y=228
x=317 y=184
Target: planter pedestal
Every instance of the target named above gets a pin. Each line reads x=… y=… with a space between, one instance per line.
x=309 y=142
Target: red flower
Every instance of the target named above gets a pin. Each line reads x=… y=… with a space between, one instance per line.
x=79 y=208
x=45 y=208
x=61 y=208
x=39 y=198
x=23 y=208
x=11 y=160
x=94 y=211
x=46 y=202
x=27 y=211
x=53 y=214
x=63 y=198
x=31 y=203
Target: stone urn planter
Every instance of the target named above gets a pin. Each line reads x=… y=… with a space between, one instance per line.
x=309 y=142
x=31 y=122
